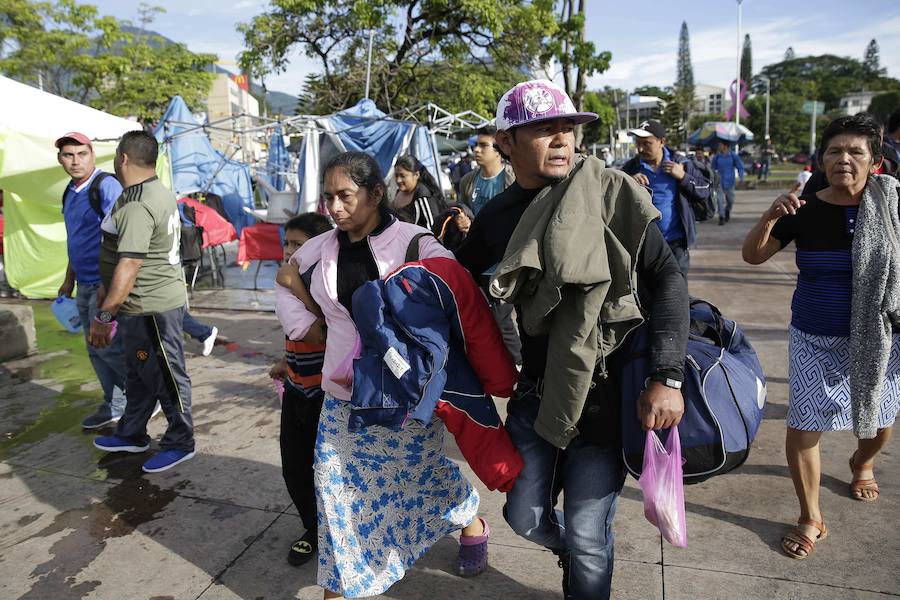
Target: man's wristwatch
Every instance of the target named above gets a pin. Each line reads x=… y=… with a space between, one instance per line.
x=105 y=317
x=675 y=384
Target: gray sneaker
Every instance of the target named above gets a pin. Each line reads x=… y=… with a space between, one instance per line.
x=102 y=417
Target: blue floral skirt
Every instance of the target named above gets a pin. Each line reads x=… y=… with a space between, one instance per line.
x=384 y=498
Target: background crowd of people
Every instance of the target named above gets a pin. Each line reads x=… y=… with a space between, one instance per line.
x=570 y=255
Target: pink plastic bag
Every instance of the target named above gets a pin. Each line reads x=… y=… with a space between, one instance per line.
x=279 y=388
x=663 y=487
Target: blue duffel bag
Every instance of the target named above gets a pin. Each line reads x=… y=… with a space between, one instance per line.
x=724 y=394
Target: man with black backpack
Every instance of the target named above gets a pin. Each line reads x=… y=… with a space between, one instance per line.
x=87 y=199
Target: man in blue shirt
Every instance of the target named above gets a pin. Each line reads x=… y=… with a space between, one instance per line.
x=82 y=216
x=675 y=188
x=725 y=162
x=491 y=177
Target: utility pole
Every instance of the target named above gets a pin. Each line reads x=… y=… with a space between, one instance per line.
x=812 y=129
x=768 y=82
x=369 y=62
x=737 y=77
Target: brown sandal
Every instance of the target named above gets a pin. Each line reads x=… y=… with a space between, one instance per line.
x=805 y=545
x=858 y=486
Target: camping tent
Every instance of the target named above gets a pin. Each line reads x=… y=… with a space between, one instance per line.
x=198 y=167
x=362 y=128
x=33 y=182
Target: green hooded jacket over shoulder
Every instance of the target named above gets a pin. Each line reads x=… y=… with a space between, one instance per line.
x=571 y=267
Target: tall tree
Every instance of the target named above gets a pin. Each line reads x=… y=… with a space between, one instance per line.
x=77 y=53
x=683 y=97
x=871 y=59
x=789 y=53
x=444 y=51
x=577 y=57
x=685 y=77
x=747 y=60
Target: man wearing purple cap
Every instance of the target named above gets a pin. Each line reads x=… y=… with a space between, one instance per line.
x=88 y=197
x=576 y=250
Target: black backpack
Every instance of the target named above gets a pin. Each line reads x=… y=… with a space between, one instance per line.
x=93 y=194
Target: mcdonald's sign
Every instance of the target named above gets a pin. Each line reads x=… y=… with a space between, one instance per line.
x=241 y=81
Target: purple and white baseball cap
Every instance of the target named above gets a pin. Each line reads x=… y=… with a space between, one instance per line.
x=537 y=100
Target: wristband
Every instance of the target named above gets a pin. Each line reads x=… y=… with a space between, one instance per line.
x=669 y=382
x=113 y=328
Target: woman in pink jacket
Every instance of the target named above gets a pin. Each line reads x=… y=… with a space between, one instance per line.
x=384 y=497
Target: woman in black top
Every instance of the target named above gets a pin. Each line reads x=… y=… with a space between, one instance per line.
x=419 y=199
x=823 y=223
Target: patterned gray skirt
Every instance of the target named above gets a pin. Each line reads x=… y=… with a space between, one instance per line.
x=384 y=498
x=819 y=375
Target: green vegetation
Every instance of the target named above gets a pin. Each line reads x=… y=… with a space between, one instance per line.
x=73 y=51
x=824 y=78
x=461 y=54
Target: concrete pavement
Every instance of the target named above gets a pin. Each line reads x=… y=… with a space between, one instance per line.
x=76 y=523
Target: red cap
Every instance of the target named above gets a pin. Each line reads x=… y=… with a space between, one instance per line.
x=74 y=135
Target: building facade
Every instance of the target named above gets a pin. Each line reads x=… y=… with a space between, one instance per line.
x=856 y=102
x=710 y=99
x=229 y=98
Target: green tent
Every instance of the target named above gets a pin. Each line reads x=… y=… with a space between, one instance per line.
x=34 y=238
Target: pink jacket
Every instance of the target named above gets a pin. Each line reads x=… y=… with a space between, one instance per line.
x=389 y=249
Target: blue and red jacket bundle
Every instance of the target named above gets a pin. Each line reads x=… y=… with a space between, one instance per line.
x=419 y=327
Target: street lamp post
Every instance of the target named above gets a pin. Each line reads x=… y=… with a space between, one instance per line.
x=768 y=81
x=369 y=62
x=737 y=77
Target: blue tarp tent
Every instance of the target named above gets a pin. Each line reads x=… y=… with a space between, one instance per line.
x=197 y=166
x=366 y=129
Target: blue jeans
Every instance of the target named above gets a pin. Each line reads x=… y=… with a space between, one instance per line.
x=109 y=362
x=682 y=255
x=725 y=202
x=195 y=328
x=591 y=477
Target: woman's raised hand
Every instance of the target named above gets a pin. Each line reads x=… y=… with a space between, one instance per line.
x=786 y=204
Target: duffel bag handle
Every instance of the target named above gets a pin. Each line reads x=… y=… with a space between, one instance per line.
x=718 y=319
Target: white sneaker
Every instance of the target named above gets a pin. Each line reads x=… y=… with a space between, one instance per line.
x=209 y=342
x=156 y=410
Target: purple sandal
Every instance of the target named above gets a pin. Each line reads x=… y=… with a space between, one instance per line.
x=472 y=559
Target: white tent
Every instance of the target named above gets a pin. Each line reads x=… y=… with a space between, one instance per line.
x=33 y=182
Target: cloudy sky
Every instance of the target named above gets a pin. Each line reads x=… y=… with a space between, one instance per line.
x=641 y=34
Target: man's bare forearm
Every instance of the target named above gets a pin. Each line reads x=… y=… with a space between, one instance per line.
x=122 y=283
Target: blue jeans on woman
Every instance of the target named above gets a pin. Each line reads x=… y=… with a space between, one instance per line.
x=591 y=476
x=109 y=362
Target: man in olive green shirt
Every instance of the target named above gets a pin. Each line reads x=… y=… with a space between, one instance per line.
x=142 y=299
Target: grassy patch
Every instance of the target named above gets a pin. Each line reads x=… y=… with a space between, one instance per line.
x=69 y=366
